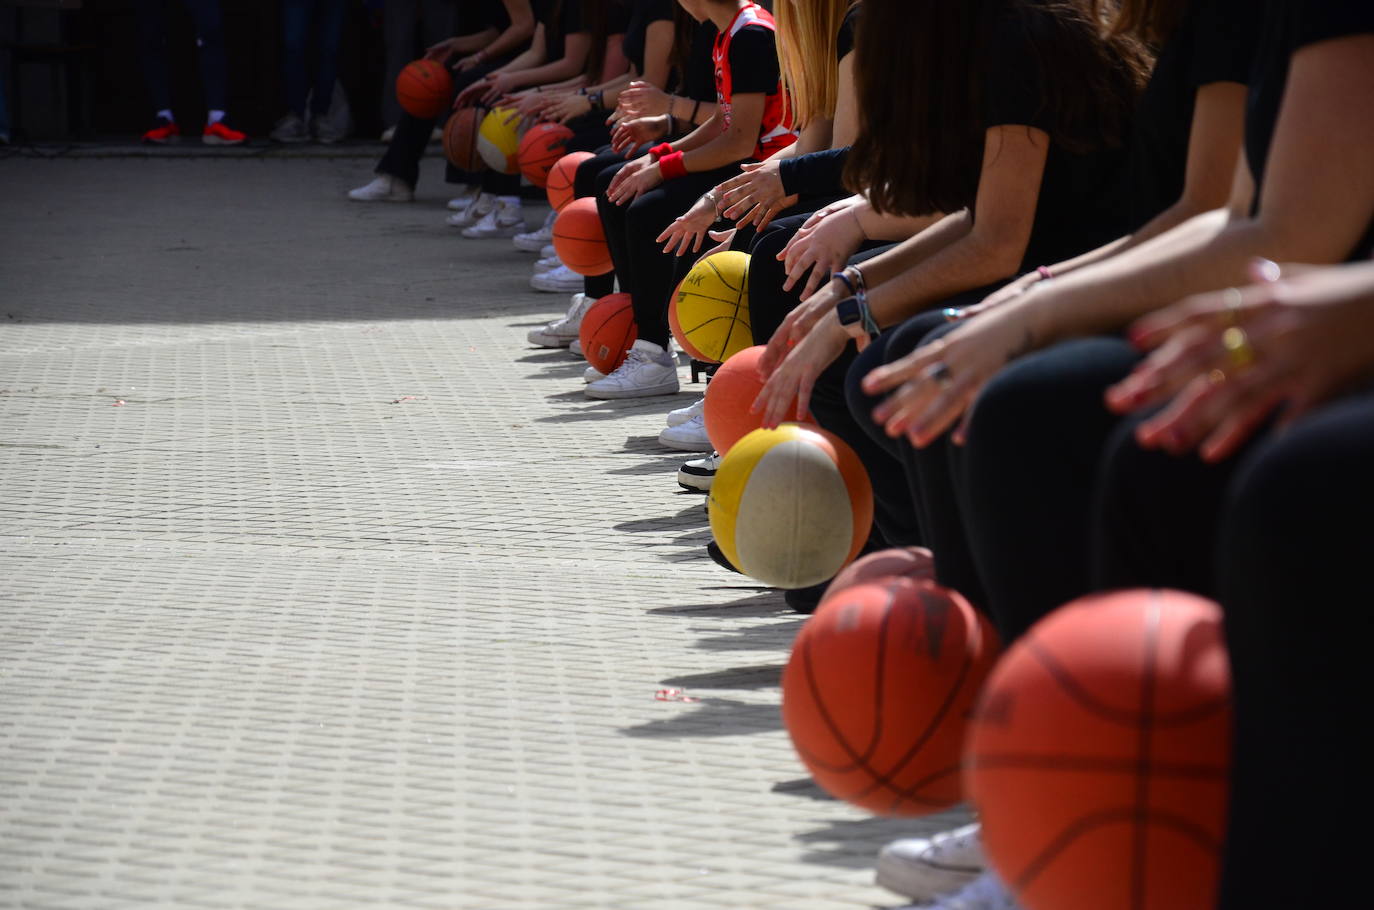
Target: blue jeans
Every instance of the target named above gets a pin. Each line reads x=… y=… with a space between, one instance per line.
x=299 y=18
x=152 y=27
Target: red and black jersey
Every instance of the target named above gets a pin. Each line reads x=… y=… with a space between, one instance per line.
x=776 y=131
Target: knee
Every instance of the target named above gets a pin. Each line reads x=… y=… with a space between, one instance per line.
x=859 y=402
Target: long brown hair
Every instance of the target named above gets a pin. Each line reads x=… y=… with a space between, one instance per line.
x=808 y=33
x=1151 y=21
x=919 y=78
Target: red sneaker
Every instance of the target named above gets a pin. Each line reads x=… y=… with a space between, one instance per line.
x=165 y=131
x=221 y=134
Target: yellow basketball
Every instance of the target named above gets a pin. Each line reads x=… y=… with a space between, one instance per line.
x=709 y=315
x=498 y=141
x=791 y=507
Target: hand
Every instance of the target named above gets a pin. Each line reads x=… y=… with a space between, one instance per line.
x=442 y=51
x=1301 y=341
x=472 y=94
x=570 y=106
x=795 y=376
x=498 y=85
x=723 y=241
x=628 y=135
x=755 y=196
x=469 y=62
x=635 y=178
x=642 y=99
x=938 y=383
x=799 y=323
x=1003 y=295
x=822 y=246
x=530 y=106
x=689 y=229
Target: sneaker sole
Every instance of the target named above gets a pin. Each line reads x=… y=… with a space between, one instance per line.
x=215 y=140
x=498 y=235
x=618 y=394
x=526 y=246
x=684 y=445
x=550 y=343
x=920 y=882
x=694 y=484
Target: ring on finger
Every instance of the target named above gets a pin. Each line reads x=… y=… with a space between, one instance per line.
x=1234 y=299
x=1238 y=348
x=938 y=372
x=1216 y=377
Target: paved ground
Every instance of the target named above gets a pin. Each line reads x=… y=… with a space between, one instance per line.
x=322 y=589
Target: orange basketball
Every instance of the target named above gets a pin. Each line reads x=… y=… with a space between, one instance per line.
x=540 y=149
x=580 y=240
x=877 y=692
x=730 y=394
x=424 y=88
x=1099 y=754
x=561 y=176
x=916 y=563
x=460 y=139
x=608 y=329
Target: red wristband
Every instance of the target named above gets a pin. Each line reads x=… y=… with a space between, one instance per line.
x=672 y=166
x=663 y=148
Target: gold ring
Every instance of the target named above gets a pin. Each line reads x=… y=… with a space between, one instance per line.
x=1216 y=377
x=1233 y=301
x=1237 y=345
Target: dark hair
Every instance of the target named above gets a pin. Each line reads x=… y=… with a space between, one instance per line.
x=1151 y=21
x=919 y=79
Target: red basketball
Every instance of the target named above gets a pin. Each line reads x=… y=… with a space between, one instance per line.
x=540 y=150
x=561 y=177
x=730 y=394
x=424 y=88
x=1099 y=754
x=460 y=139
x=608 y=329
x=916 y=563
x=877 y=692
x=580 y=240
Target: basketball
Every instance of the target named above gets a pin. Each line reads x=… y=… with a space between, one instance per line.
x=424 y=88
x=916 y=563
x=790 y=506
x=498 y=140
x=877 y=692
x=580 y=240
x=540 y=150
x=729 y=395
x=1099 y=755
x=460 y=139
x=561 y=176
x=710 y=313
x=607 y=331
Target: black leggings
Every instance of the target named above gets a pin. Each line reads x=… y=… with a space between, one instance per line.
x=214 y=63
x=408 y=143
x=1283 y=535
x=584 y=185
x=646 y=272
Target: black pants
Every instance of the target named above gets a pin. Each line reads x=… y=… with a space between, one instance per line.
x=303 y=20
x=214 y=63
x=408 y=143
x=646 y=272
x=584 y=185
x=437 y=20
x=1282 y=535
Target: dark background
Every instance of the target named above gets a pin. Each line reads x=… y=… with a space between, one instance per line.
x=75 y=74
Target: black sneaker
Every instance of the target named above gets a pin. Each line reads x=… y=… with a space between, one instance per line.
x=717 y=555
x=697 y=474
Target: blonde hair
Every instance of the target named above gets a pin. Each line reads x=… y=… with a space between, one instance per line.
x=807 y=43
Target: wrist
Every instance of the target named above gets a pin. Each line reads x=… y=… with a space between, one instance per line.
x=671 y=166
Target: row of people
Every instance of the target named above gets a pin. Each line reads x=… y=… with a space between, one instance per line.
x=1020 y=255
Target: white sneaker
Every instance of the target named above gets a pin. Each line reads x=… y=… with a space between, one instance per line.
x=924 y=868
x=575 y=349
x=986 y=892
x=548 y=252
x=686 y=437
x=535 y=241
x=592 y=374
x=383 y=188
x=482 y=204
x=647 y=371
x=693 y=411
x=697 y=474
x=560 y=280
x=562 y=332
x=388 y=133
x=547 y=265
x=504 y=220
x=461 y=202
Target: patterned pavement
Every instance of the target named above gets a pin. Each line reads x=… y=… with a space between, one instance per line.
x=320 y=588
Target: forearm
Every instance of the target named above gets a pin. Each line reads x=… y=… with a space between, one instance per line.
x=530 y=57
x=471 y=44
x=698 y=137
x=890 y=227
x=724 y=149
x=560 y=69
x=886 y=267
x=509 y=39
x=1175 y=215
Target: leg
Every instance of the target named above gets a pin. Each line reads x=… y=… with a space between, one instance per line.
x=214 y=62
x=399 y=18
x=329 y=20
x=152 y=41
x=295 y=20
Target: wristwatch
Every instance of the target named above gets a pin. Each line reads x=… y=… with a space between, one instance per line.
x=852 y=312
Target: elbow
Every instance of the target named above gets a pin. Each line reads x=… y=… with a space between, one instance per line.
x=1001 y=257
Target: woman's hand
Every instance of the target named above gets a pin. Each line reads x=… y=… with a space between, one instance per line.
x=629 y=135
x=642 y=99
x=823 y=245
x=1000 y=296
x=1226 y=361
x=473 y=93
x=634 y=179
x=686 y=233
x=795 y=376
x=442 y=51
x=799 y=323
x=490 y=90
x=569 y=106
x=937 y=384
x=755 y=196
x=530 y=106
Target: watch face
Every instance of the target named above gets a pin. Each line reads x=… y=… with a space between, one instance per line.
x=848 y=311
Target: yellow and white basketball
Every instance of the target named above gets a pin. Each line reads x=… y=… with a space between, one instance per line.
x=709 y=314
x=791 y=507
x=498 y=140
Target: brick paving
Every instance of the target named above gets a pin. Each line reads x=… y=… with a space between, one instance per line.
x=322 y=589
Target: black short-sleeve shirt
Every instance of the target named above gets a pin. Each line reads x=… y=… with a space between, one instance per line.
x=848 y=33
x=754 y=61
x=698 y=79
x=643 y=14
x=1288 y=27
x=1083 y=201
x=1214 y=42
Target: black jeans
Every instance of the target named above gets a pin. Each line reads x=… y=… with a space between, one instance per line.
x=647 y=273
x=301 y=18
x=408 y=143
x=214 y=64
x=437 y=20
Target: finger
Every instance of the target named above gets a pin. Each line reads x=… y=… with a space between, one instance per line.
x=768 y=215
x=797 y=269
x=819 y=271
x=1237 y=427
x=750 y=166
x=776 y=348
x=940 y=415
x=805 y=384
x=1188 y=417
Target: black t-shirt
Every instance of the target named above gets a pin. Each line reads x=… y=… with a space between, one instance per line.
x=1083 y=200
x=754 y=61
x=1289 y=26
x=698 y=81
x=845 y=42
x=484 y=15
x=1215 y=42
x=643 y=14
